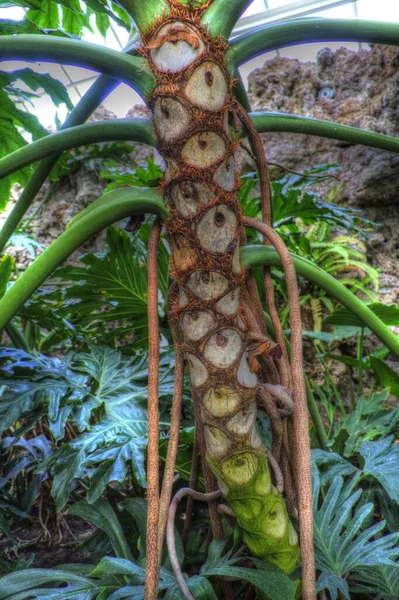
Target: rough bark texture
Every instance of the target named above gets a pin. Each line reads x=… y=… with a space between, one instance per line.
x=191 y=107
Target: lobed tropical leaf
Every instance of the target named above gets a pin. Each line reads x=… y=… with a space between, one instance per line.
x=381 y=581
x=381 y=462
x=341 y=544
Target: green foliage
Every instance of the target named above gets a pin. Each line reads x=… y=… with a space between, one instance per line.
x=343 y=543
x=381 y=581
x=102 y=394
x=314 y=230
x=109 y=289
x=91 y=403
x=69 y=16
x=123 y=575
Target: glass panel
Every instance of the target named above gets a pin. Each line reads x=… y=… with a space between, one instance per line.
x=383 y=10
x=255 y=8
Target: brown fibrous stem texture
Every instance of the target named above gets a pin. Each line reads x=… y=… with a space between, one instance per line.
x=214 y=309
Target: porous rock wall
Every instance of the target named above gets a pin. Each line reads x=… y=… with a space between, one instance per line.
x=360 y=89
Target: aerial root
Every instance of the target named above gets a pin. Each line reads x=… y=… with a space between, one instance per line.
x=170 y=464
x=226 y=510
x=301 y=442
x=283 y=395
x=275 y=421
x=170 y=532
x=152 y=565
x=278 y=476
x=193 y=485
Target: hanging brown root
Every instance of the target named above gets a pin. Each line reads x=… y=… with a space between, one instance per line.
x=278 y=476
x=283 y=395
x=170 y=533
x=152 y=565
x=193 y=485
x=170 y=464
x=259 y=152
x=301 y=441
x=256 y=306
x=260 y=158
x=224 y=509
x=284 y=368
x=275 y=421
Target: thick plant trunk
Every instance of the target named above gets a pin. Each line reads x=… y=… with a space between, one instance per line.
x=214 y=305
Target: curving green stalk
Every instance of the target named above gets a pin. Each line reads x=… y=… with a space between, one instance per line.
x=144 y=13
x=281 y=122
x=221 y=21
x=130 y=130
x=266 y=256
x=302 y=31
x=129 y=69
x=108 y=209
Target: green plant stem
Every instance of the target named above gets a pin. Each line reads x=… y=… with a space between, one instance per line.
x=240 y=92
x=131 y=130
x=129 y=69
x=338 y=398
x=360 y=343
x=302 y=31
x=86 y=105
x=108 y=209
x=315 y=415
x=351 y=387
x=282 y=122
x=144 y=12
x=312 y=405
x=266 y=256
x=221 y=18
x=17 y=337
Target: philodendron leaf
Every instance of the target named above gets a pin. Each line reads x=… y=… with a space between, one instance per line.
x=381 y=581
x=103 y=393
x=368 y=421
x=35 y=583
x=385 y=376
x=267 y=578
x=341 y=544
x=108 y=288
x=388 y=313
x=53 y=87
x=336 y=465
x=199 y=587
x=102 y=515
x=381 y=460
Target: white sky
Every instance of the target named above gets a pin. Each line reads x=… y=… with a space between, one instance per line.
x=123 y=98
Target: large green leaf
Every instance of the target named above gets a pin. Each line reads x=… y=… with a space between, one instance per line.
x=381 y=581
x=267 y=577
x=12 y=119
x=369 y=420
x=341 y=544
x=102 y=515
x=336 y=465
x=53 y=87
x=103 y=393
x=34 y=583
x=109 y=288
x=381 y=460
x=385 y=376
